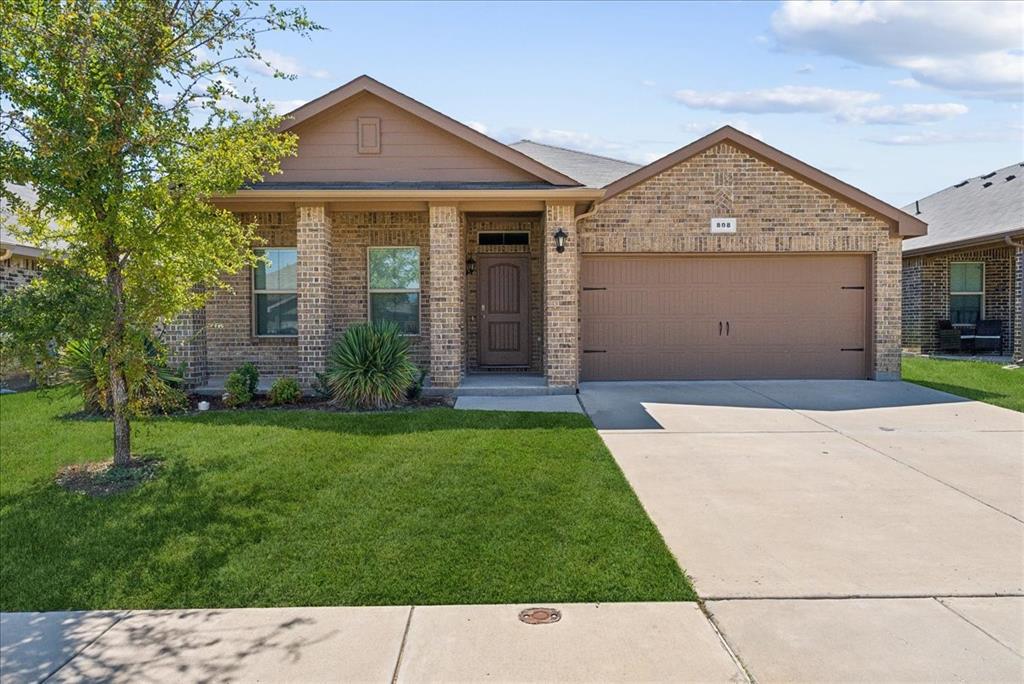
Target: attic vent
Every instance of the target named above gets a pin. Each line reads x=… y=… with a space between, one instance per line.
x=989 y=175
x=985 y=185
x=368 y=134
x=960 y=185
x=1010 y=178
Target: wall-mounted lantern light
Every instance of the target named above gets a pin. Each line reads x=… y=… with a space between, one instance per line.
x=560 y=236
x=470 y=265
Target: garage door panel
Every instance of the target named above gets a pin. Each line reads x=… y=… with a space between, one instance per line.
x=658 y=317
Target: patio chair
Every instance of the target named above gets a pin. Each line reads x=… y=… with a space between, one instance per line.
x=988 y=336
x=949 y=337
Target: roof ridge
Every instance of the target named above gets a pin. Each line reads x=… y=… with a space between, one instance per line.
x=569 y=149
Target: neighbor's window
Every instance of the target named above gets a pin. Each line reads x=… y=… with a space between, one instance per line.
x=966 y=292
x=395 y=286
x=275 y=300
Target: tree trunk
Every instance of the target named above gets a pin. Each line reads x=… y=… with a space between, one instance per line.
x=122 y=428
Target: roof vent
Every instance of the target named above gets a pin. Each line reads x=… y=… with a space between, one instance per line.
x=1010 y=177
x=917 y=207
x=989 y=175
x=985 y=185
x=960 y=184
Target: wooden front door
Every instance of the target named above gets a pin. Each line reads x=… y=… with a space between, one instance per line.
x=503 y=295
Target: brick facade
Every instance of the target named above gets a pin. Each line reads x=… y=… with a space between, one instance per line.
x=776 y=212
x=926 y=294
x=561 y=298
x=17 y=271
x=447 y=296
x=534 y=225
x=314 y=282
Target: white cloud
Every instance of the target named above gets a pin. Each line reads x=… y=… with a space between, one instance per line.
x=908 y=82
x=930 y=137
x=477 y=126
x=972 y=48
x=903 y=114
x=806 y=69
x=275 y=61
x=782 y=99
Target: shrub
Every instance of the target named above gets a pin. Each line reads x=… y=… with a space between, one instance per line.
x=285 y=391
x=369 y=366
x=416 y=388
x=152 y=385
x=241 y=385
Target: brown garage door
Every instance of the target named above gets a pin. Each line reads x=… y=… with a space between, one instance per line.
x=729 y=317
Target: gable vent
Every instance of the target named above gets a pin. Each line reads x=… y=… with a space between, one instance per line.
x=368 y=134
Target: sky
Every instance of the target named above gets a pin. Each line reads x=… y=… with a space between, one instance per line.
x=898 y=99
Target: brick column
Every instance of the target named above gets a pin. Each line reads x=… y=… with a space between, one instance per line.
x=447 y=297
x=185 y=338
x=561 y=298
x=313 y=281
x=1018 y=305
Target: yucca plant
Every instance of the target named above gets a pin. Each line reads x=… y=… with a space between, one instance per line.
x=369 y=366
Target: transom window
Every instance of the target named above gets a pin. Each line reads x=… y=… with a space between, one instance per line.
x=275 y=296
x=966 y=292
x=503 y=238
x=395 y=286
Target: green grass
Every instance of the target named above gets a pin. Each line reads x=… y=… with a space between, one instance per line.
x=295 y=508
x=988 y=382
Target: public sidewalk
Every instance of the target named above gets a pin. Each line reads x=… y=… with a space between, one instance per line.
x=591 y=642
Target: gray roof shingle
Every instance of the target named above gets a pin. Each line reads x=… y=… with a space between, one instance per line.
x=990 y=204
x=592 y=170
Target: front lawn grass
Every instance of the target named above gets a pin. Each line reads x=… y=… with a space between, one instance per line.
x=303 y=508
x=988 y=382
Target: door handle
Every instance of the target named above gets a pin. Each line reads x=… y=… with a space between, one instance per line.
x=719 y=328
x=727 y=328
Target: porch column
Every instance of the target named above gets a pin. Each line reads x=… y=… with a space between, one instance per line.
x=447 y=297
x=561 y=298
x=313 y=282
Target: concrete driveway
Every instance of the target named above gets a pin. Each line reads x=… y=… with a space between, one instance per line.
x=885 y=517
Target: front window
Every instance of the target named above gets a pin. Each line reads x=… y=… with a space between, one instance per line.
x=966 y=292
x=395 y=286
x=275 y=297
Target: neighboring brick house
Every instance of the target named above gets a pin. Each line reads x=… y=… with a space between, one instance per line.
x=725 y=259
x=969 y=266
x=19 y=263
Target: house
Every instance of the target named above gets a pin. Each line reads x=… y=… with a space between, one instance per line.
x=19 y=263
x=725 y=259
x=968 y=267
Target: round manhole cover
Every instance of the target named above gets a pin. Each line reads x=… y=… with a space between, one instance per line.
x=540 y=616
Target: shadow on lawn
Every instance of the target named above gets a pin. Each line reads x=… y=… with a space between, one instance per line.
x=387 y=422
x=67 y=551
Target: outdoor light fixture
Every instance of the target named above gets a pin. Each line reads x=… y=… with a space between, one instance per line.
x=560 y=236
x=470 y=266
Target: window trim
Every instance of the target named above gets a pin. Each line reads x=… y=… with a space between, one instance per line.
x=950 y=293
x=253 y=291
x=419 y=291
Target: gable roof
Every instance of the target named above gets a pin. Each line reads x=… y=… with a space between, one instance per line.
x=907 y=225
x=365 y=84
x=593 y=170
x=978 y=209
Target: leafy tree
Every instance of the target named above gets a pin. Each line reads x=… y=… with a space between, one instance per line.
x=127 y=116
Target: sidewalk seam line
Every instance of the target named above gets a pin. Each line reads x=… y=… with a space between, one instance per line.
x=854 y=597
x=401 y=648
x=891 y=458
x=978 y=627
x=725 y=642
x=82 y=650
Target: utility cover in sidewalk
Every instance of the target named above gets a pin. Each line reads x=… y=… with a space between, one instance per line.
x=540 y=616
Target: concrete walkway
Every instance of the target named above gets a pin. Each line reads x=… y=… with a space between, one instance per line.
x=839 y=531
x=666 y=642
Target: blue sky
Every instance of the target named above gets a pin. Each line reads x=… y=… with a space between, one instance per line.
x=899 y=99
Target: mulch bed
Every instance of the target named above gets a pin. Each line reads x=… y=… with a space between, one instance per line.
x=104 y=478
x=321 y=404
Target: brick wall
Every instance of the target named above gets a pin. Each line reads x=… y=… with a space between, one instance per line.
x=229 y=333
x=353 y=233
x=314 y=283
x=1018 y=306
x=561 y=298
x=776 y=212
x=17 y=271
x=447 y=296
x=534 y=225
x=928 y=302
